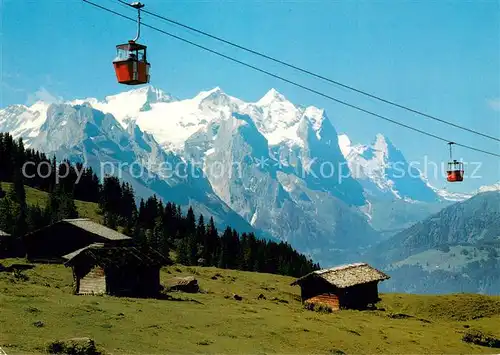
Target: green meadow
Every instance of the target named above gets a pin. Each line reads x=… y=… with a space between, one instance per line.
x=37 y=308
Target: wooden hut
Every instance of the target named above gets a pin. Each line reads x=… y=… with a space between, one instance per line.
x=50 y=243
x=120 y=271
x=352 y=286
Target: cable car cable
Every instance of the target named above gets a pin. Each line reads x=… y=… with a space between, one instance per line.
x=319 y=76
x=292 y=82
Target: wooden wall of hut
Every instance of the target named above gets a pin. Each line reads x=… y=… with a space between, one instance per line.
x=94 y=283
x=133 y=281
x=359 y=296
x=312 y=287
x=329 y=299
x=317 y=290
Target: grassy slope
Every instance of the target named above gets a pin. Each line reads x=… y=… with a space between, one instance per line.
x=215 y=324
x=34 y=197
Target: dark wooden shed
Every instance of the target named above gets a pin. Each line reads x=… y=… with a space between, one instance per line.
x=352 y=286
x=50 y=243
x=119 y=271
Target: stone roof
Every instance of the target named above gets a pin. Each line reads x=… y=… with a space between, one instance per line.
x=96 y=228
x=78 y=251
x=344 y=276
x=100 y=254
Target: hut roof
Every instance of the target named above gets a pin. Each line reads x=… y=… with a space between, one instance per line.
x=96 y=228
x=344 y=276
x=89 y=226
x=99 y=254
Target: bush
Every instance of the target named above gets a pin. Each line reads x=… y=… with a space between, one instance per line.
x=19 y=276
x=479 y=338
x=76 y=346
x=318 y=307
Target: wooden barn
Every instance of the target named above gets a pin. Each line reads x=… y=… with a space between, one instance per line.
x=353 y=286
x=50 y=243
x=119 y=271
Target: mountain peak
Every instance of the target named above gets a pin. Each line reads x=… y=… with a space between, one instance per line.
x=271 y=96
x=148 y=93
x=39 y=105
x=381 y=140
x=383 y=144
x=214 y=100
x=216 y=91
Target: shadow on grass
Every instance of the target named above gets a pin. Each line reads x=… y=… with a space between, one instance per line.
x=167 y=297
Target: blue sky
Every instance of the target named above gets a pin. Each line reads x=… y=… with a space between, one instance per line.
x=439 y=57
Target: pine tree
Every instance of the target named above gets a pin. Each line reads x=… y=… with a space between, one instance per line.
x=161 y=237
x=7 y=219
x=128 y=210
x=183 y=251
x=6 y=214
x=235 y=251
x=149 y=213
x=53 y=172
x=259 y=263
x=110 y=220
x=139 y=236
x=190 y=222
x=19 y=212
x=210 y=244
x=246 y=253
x=200 y=230
x=67 y=207
x=60 y=206
x=225 y=245
x=141 y=213
x=192 y=246
x=150 y=239
x=111 y=196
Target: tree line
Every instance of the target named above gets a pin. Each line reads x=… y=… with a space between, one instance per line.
x=151 y=222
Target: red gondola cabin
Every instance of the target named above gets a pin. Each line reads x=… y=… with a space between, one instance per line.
x=455 y=171
x=131 y=65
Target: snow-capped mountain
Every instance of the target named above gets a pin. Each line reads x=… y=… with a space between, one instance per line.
x=487 y=188
x=384 y=172
x=270 y=165
x=83 y=133
x=283 y=152
x=452 y=196
x=24 y=121
x=397 y=194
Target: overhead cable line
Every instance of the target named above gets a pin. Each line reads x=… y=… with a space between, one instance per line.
x=290 y=81
x=319 y=76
